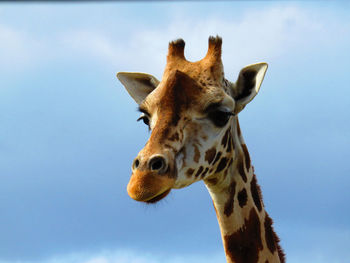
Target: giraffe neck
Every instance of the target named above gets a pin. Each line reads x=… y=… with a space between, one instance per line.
x=246 y=228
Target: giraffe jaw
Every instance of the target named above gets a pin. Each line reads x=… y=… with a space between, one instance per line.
x=158 y=197
x=148 y=187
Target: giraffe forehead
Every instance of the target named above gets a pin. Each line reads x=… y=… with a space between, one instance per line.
x=209 y=67
x=179 y=92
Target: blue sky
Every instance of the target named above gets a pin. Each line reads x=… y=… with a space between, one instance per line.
x=68 y=130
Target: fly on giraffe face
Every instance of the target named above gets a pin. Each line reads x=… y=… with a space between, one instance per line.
x=192 y=113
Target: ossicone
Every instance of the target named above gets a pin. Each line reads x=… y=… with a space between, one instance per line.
x=176 y=49
x=214 y=48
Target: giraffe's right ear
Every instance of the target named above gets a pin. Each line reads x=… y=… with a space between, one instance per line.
x=248 y=84
x=138 y=85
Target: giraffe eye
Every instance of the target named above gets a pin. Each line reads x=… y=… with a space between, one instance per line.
x=219 y=117
x=144 y=118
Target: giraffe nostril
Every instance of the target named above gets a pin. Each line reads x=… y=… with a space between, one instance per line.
x=157 y=163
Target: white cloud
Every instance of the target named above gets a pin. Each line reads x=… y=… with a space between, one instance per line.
x=256 y=35
x=17 y=49
x=93 y=44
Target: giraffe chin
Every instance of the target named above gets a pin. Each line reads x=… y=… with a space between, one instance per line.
x=158 y=197
x=149 y=187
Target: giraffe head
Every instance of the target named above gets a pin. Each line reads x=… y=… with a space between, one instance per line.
x=190 y=114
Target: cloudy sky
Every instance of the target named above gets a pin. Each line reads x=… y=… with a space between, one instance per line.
x=68 y=130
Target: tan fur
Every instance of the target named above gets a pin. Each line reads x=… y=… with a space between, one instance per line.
x=194 y=146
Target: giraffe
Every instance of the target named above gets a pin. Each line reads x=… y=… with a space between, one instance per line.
x=192 y=114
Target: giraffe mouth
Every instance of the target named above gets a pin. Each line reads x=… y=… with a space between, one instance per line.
x=158 y=197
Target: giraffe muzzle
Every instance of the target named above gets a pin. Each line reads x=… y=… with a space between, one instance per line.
x=151 y=180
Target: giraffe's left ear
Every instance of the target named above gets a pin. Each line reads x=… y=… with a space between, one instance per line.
x=138 y=85
x=248 y=84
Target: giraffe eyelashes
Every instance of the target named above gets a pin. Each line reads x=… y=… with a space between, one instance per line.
x=219 y=117
x=145 y=119
x=218 y=114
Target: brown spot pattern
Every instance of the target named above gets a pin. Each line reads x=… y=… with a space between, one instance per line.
x=230 y=144
x=272 y=240
x=205 y=172
x=229 y=205
x=246 y=157
x=181 y=90
x=210 y=154
x=241 y=169
x=242 y=197
x=218 y=155
x=222 y=164
x=225 y=138
x=197 y=154
x=174 y=137
x=256 y=193
x=199 y=171
x=189 y=172
x=244 y=245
